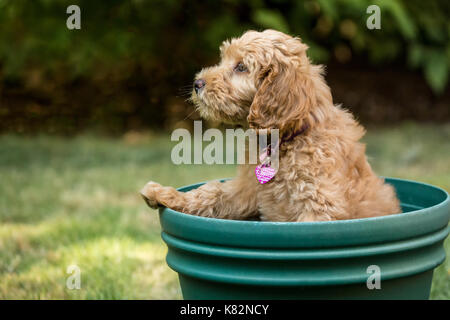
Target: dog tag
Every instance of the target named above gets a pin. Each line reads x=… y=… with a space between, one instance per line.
x=264 y=173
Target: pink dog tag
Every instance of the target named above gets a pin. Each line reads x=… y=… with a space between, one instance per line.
x=264 y=173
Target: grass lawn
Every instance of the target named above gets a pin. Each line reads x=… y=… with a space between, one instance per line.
x=67 y=201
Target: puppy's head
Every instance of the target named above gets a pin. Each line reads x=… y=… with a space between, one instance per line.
x=265 y=80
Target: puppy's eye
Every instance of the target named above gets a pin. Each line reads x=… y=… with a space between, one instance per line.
x=240 y=67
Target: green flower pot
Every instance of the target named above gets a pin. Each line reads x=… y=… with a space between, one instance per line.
x=229 y=259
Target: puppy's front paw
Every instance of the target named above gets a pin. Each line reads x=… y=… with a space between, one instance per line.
x=149 y=193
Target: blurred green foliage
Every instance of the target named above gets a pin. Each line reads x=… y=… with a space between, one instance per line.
x=33 y=33
x=148 y=49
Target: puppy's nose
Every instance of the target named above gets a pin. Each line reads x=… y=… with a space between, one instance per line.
x=199 y=84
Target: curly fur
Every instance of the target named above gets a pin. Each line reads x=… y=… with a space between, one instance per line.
x=323 y=173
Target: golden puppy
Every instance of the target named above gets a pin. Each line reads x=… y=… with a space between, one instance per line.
x=265 y=80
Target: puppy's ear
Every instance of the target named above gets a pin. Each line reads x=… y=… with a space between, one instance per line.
x=286 y=93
